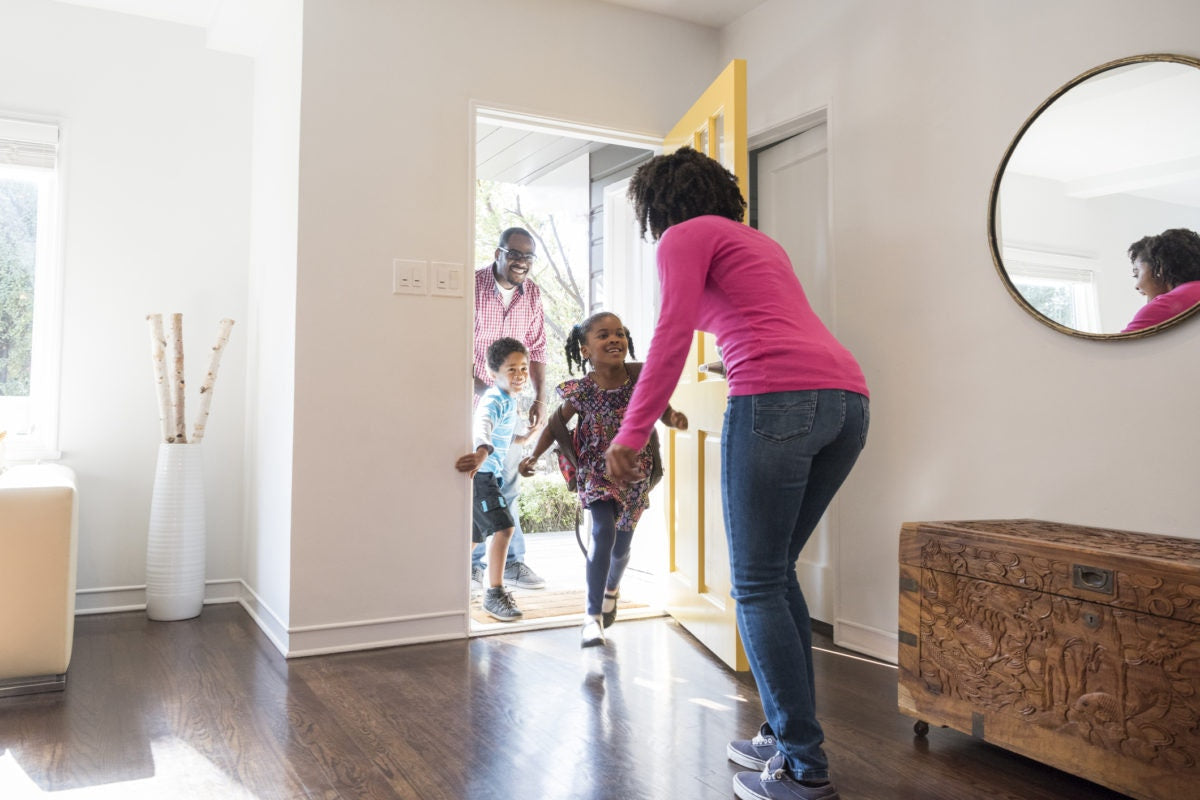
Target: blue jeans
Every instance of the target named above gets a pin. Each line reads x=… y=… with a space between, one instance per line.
x=608 y=555
x=509 y=489
x=783 y=457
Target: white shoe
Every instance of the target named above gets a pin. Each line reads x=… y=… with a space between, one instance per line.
x=592 y=634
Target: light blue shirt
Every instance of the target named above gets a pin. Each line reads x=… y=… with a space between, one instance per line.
x=493 y=425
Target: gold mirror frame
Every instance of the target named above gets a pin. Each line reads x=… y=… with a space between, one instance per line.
x=993 y=200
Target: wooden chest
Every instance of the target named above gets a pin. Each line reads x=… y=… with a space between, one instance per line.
x=1077 y=647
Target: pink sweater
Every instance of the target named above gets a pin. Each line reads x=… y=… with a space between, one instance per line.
x=724 y=277
x=1165 y=306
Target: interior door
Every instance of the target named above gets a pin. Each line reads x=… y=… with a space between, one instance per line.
x=697 y=593
x=792 y=207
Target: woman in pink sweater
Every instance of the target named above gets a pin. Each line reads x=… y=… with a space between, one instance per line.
x=796 y=421
x=1166 y=269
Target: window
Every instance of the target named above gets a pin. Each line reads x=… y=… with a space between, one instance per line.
x=1061 y=287
x=29 y=288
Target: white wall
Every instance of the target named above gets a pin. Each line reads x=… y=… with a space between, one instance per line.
x=271 y=317
x=156 y=153
x=978 y=411
x=379 y=546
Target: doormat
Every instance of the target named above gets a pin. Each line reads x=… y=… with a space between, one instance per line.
x=542 y=604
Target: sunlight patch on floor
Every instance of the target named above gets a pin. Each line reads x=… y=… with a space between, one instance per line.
x=179 y=771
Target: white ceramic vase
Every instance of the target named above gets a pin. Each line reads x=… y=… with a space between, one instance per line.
x=175 y=545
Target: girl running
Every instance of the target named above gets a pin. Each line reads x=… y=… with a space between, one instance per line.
x=598 y=346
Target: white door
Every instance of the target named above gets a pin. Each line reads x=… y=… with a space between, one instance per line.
x=793 y=209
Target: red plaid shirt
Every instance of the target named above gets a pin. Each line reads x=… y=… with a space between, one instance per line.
x=523 y=320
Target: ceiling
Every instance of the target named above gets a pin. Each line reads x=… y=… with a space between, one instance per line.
x=504 y=153
x=1133 y=130
x=711 y=13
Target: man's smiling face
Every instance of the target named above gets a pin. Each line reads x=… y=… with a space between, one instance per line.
x=514 y=260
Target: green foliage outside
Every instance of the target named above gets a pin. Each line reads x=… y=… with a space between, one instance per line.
x=18 y=238
x=1053 y=301
x=547 y=504
x=497 y=207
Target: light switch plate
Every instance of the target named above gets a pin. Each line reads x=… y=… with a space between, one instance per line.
x=447 y=279
x=410 y=276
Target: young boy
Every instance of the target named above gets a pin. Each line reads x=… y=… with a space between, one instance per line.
x=492 y=433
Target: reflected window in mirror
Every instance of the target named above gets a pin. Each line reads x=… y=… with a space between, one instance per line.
x=1111 y=157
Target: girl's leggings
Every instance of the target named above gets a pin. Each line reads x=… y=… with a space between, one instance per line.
x=608 y=555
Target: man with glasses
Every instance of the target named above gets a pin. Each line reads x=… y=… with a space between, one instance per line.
x=508 y=303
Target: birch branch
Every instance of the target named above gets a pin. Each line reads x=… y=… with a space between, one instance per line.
x=177 y=384
x=158 y=355
x=223 y=329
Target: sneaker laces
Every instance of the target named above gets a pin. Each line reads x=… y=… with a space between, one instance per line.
x=763 y=738
x=776 y=768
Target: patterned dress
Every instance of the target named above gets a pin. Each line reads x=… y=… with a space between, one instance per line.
x=600 y=413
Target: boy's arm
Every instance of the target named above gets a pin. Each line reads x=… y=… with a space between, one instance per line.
x=482 y=425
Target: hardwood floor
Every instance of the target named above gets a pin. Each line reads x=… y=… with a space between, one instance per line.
x=206 y=708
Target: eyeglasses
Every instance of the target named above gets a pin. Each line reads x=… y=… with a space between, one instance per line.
x=517 y=255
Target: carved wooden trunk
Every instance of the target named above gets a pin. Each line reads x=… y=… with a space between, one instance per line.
x=1078 y=647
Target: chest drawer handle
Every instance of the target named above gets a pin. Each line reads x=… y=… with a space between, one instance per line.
x=1094 y=579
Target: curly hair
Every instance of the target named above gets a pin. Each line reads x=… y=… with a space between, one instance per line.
x=672 y=188
x=499 y=351
x=1173 y=256
x=578 y=337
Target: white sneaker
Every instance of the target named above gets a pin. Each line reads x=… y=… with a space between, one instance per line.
x=592 y=634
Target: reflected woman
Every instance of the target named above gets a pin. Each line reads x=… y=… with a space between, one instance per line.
x=1166 y=269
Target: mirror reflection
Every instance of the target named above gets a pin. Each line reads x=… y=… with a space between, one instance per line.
x=1087 y=191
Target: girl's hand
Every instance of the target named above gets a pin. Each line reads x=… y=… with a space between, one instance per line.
x=622 y=464
x=527 y=466
x=676 y=419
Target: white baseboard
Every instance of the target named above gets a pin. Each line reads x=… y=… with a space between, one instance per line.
x=866 y=640
x=294 y=642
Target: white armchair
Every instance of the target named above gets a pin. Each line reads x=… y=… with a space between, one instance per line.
x=38 y=529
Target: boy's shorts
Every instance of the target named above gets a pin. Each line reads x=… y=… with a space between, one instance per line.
x=489 y=511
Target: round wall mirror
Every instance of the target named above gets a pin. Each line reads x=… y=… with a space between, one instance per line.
x=1110 y=158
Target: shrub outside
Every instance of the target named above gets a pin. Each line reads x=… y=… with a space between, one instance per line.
x=546 y=504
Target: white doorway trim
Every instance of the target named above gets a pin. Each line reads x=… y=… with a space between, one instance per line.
x=487 y=114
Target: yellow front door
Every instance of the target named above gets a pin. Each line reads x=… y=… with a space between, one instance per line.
x=698 y=559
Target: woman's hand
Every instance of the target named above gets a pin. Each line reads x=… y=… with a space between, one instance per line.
x=622 y=464
x=527 y=466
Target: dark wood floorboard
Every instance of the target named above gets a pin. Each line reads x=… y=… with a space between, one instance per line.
x=207 y=708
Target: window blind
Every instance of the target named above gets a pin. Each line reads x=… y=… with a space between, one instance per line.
x=28 y=144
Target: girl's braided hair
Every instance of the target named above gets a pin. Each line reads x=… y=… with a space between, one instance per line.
x=578 y=336
x=673 y=188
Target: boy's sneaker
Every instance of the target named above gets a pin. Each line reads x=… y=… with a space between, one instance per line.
x=775 y=782
x=500 y=604
x=479 y=575
x=753 y=753
x=521 y=576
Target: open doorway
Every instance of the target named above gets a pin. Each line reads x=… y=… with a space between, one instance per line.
x=556 y=180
